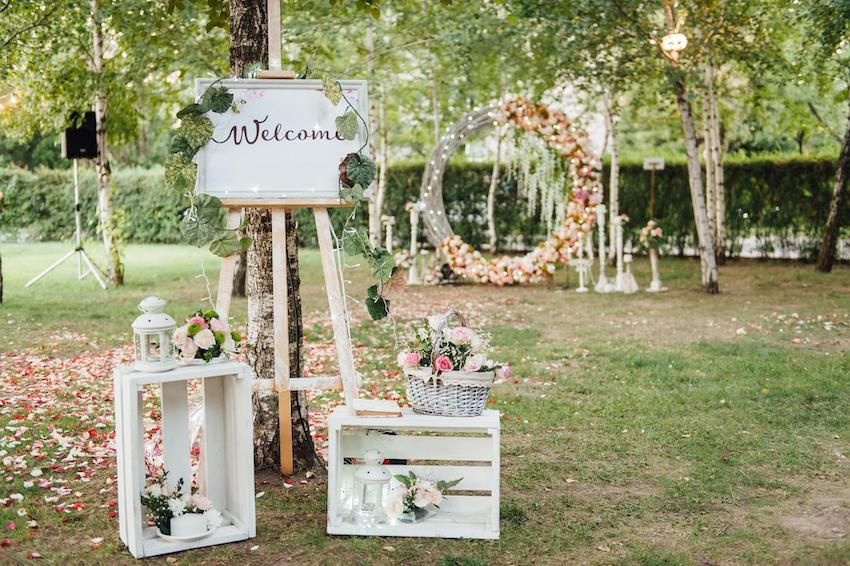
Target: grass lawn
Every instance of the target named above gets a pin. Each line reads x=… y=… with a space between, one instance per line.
x=676 y=428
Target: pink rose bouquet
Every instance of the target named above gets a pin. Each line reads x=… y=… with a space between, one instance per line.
x=206 y=336
x=651 y=235
x=433 y=344
x=414 y=493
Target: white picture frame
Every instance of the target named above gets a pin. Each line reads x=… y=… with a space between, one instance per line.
x=282 y=146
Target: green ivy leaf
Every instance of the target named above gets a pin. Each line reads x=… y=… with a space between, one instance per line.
x=181 y=146
x=245 y=243
x=331 y=90
x=226 y=244
x=179 y=172
x=382 y=264
x=352 y=194
x=207 y=208
x=196 y=130
x=361 y=170
x=347 y=125
x=217 y=99
x=197 y=233
x=377 y=306
x=193 y=109
x=355 y=241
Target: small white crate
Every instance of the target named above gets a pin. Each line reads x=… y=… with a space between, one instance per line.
x=441 y=448
x=227 y=460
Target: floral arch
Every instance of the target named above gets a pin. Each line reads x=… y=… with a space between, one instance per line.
x=559 y=133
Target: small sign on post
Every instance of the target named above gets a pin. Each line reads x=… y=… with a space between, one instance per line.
x=653 y=164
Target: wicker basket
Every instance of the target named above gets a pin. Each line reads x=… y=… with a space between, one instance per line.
x=450 y=393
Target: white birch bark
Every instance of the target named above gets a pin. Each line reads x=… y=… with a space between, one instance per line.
x=708 y=155
x=115 y=268
x=491 y=194
x=374 y=126
x=614 y=177
x=716 y=150
x=382 y=160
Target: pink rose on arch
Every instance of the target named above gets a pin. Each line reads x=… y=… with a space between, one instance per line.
x=199 y=320
x=443 y=363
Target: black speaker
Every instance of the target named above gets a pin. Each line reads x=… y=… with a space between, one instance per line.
x=81 y=142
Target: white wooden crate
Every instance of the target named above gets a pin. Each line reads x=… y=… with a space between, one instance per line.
x=440 y=448
x=227 y=459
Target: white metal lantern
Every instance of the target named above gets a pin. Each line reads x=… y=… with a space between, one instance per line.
x=371 y=483
x=153 y=334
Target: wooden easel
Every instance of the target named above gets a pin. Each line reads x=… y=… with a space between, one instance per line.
x=339 y=315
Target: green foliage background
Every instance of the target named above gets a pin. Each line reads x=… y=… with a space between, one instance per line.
x=781 y=197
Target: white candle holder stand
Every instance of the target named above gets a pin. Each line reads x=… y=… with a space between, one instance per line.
x=389 y=222
x=602 y=283
x=617 y=222
x=629 y=284
x=655 y=285
x=455 y=447
x=582 y=266
x=227 y=459
x=413 y=274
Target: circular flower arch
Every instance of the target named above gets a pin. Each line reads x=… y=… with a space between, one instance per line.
x=560 y=134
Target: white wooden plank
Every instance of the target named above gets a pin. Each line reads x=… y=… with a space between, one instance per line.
x=274 y=34
x=281 y=337
x=475 y=478
x=489 y=419
x=334 y=473
x=228 y=268
x=495 y=489
x=118 y=417
x=134 y=465
x=184 y=373
x=311 y=383
x=175 y=434
x=339 y=315
x=155 y=546
x=239 y=458
x=213 y=446
x=409 y=447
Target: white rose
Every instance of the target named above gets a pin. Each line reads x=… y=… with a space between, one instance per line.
x=218 y=325
x=474 y=363
x=395 y=507
x=154 y=490
x=205 y=339
x=176 y=506
x=201 y=502
x=422 y=497
x=181 y=335
x=436 y=495
x=188 y=350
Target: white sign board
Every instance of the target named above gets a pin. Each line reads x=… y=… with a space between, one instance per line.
x=653 y=164
x=281 y=144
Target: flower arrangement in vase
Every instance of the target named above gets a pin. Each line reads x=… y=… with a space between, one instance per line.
x=177 y=516
x=651 y=235
x=413 y=500
x=205 y=337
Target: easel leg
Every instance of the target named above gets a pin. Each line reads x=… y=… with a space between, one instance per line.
x=281 y=337
x=339 y=317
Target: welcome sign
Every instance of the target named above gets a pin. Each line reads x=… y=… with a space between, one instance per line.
x=279 y=143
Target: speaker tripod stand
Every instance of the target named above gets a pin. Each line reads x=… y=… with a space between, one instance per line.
x=79 y=251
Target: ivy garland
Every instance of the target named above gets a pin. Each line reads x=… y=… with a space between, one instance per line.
x=201 y=223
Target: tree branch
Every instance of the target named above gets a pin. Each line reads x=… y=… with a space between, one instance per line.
x=8 y=41
x=824 y=123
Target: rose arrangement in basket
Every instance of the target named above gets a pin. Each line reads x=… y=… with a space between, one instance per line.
x=164 y=504
x=650 y=235
x=205 y=336
x=432 y=343
x=415 y=494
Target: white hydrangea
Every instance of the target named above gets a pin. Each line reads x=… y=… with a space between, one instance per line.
x=176 y=506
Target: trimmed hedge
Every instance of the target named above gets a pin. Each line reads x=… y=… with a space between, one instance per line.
x=781 y=198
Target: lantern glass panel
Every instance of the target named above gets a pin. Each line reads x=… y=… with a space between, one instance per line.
x=137 y=345
x=369 y=503
x=167 y=344
x=152 y=350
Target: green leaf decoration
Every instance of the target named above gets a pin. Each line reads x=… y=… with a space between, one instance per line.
x=179 y=172
x=331 y=90
x=217 y=99
x=445 y=485
x=181 y=146
x=377 y=306
x=193 y=109
x=382 y=264
x=347 y=125
x=207 y=208
x=196 y=232
x=244 y=243
x=352 y=194
x=196 y=130
x=226 y=244
x=361 y=170
x=403 y=479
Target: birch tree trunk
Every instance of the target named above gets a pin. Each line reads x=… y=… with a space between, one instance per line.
x=826 y=257
x=114 y=266
x=374 y=126
x=614 y=176
x=248 y=44
x=491 y=194
x=704 y=241
x=719 y=214
x=708 y=155
x=382 y=160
